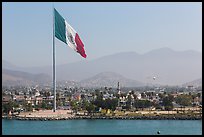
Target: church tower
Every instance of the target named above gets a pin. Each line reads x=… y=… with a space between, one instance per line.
x=118 y=89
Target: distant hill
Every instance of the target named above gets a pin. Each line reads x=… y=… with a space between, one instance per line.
x=8 y=65
x=109 y=79
x=169 y=66
x=195 y=83
x=10 y=77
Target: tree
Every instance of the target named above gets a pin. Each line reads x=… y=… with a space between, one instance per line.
x=161 y=96
x=29 y=107
x=44 y=105
x=128 y=103
x=106 y=88
x=184 y=100
x=110 y=104
x=135 y=96
x=131 y=92
x=99 y=101
x=157 y=105
x=58 y=101
x=46 y=94
x=141 y=104
x=105 y=104
x=82 y=96
x=149 y=94
x=84 y=104
x=90 y=108
x=147 y=104
x=143 y=95
x=74 y=105
x=9 y=106
x=114 y=104
x=199 y=95
x=97 y=92
x=167 y=103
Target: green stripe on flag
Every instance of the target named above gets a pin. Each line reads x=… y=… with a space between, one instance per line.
x=60 y=31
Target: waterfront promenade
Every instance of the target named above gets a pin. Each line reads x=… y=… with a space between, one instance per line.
x=47 y=114
x=67 y=115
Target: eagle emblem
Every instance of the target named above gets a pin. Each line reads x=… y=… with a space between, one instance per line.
x=71 y=39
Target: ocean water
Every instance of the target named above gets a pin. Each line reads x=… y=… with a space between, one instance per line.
x=102 y=127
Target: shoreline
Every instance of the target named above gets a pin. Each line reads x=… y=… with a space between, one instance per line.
x=184 y=117
x=45 y=115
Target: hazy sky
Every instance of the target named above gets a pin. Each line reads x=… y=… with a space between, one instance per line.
x=105 y=28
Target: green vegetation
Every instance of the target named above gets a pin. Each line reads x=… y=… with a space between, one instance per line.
x=184 y=100
x=167 y=102
x=10 y=106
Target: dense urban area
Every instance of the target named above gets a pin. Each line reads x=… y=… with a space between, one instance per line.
x=106 y=101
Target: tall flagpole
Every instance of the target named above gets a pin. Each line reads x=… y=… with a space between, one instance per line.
x=54 y=67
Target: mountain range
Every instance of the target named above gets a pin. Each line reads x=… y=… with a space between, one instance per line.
x=169 y=67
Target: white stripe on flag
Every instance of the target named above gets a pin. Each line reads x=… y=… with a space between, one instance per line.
x=70 y=36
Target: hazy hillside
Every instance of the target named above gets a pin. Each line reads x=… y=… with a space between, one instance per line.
x=109 y=79
x=10 y=77
x=8 y=65
x=195 y=83
x=169 y=66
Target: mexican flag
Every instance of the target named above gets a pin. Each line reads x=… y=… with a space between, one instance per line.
x=65 y=33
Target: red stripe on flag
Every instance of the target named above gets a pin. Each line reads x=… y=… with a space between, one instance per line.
x=80 y=46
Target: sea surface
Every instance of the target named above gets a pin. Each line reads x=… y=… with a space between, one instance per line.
x=102 y=127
